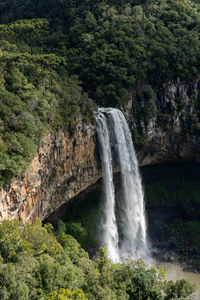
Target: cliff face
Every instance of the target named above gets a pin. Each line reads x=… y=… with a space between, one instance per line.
x=165 y=122
x=165 y=126
x=64 y=166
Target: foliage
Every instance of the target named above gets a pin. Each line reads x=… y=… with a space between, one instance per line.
x=36 y=94
x=181 y=288
x=81 y=220
x=35 y=264
x=16 y=238
x=67 y=295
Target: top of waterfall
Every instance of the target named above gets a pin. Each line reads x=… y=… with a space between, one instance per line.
x=108 y=110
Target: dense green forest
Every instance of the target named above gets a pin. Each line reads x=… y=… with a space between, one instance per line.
x=36 y=94
x=55 y=53
x=37 y=262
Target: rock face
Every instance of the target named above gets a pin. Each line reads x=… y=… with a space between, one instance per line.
x=64 y=166
x=166 y=128
x=165 y=122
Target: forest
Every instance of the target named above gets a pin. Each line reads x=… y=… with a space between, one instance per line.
x=38 y=262
x=61 y=58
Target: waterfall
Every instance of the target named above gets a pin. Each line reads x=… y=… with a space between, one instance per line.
x=109 y=225
x=123 y=224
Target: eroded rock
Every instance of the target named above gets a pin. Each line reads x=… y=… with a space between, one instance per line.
x=64 y=166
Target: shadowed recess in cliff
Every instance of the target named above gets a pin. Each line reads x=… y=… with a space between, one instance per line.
x=123 y=224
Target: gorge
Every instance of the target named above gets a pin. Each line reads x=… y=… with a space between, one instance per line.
x=69 y=175
x=68 y=163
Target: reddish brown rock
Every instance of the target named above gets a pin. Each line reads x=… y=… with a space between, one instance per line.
x=64 y=166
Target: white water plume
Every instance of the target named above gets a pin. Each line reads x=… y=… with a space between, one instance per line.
x=123 y=216
x=109 y=226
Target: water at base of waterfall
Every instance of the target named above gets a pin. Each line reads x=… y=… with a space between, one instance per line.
x=123 y=224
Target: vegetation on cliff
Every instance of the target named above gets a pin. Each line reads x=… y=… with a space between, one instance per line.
x=38 y=263
x=54 y=52
x=36 y=94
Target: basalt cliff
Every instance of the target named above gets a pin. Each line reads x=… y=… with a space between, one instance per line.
x=65 y=165
x=165 y=126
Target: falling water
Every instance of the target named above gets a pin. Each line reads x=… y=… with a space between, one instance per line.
x=109 y=225
x=123 y=219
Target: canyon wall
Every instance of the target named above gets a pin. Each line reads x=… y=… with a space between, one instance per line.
x=165 y=122
x=165 y=126
x=64 y=166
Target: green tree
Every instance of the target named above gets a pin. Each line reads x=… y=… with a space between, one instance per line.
x=65 y=294
x=30 y=30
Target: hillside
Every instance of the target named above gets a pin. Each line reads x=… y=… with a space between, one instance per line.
x=56 y=53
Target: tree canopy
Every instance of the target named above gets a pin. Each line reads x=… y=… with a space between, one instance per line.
x=37 y=262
